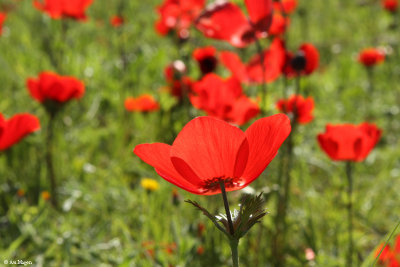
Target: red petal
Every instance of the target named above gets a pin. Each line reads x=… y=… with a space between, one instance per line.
x=210 y=147
x=312 y=57
x=265 y=136
x=233 y=62
x=260 y=12
x=158 y=156
x=225 y=22
x=34 y=90
x=17 y=128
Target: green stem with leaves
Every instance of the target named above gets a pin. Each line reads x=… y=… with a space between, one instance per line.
x=49 y=160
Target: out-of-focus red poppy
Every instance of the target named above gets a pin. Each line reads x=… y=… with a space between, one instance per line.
x=288 y=6
x=209 y=151
x=279 y=24
x=117 y=21
x=370 y=57
x=179 y=84
x=206 y=58
x=178 y=15
x=54 y=87
x=390 y=5
x=143 y=103
x=57 y=9
x=223 y=99
x=226 y=21
x=252 y=72
x=16 y=128
x=305 y=61
x=3 y=17
x=349 y=142
x=390 y=257
x=298 y=107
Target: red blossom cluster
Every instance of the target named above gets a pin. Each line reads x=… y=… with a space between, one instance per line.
x=298 y=107
x=57 y=9
x=143 y=103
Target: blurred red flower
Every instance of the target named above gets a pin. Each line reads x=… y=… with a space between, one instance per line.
x=143 y=103
x=226 y=21
x=178 y=15
x=117 y=21
x=3 y=17
x=252 y=72
x=209 y=151
x=298 y=107
x=371 y=56
x=348 y=141
x=178 y=84
x=389 y=257
x=305 y=61
x=16 y=128
x=223 y=99
x=279 y=24
x=390 y=5
x=57 y=9
x=206 y=58
x=54 y=87
x=288 y=6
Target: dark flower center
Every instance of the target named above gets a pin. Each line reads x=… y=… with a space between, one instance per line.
x=208 y=64
x=213 y=184
x=299 y=61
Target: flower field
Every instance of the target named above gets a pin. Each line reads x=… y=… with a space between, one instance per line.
x=199 y=133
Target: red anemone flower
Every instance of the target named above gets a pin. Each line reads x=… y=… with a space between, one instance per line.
x=3 y=17
x=178 y=84
x=299 y=107
x=349 y=142
x=288 y=6
x=225 y=21
x=305 y=61
x=252 y=72
x=390 y=5
x=178 y=15
x=209 y=151
x=117 y=21
x=223 y=99
x=389 y=257
x=206 y=59
x=143 y=103
x=279 y=24
x=370 y=57
x=57 y=9
x=16 y=128
x=54 y=87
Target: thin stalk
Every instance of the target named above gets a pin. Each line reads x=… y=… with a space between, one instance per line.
x=234 y=243
x=49 y=160
x=264 y=89
x=349 y=176
x=384 y=245
x=226 y=204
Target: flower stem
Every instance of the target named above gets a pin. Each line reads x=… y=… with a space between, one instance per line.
x=226 y=204
x=349 y=176
x=49 y=160
x=264 y=89
x=234 y=243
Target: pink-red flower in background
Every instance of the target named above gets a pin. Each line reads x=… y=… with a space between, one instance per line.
x=226 y=21
x=390 y=5
x=223 y=99
x=349 y=142
x=209 y=151
x=178 y=15
x=57 y=9
x=370 y=57
x=298 y=107
x=16 y=128
x=390 y=257
x=288 y=6
x=252 y=72
x=305 y=61
x=143 y=103
x=54 y=87
x=117 y=21
x=3 y=17
x=206 y=59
